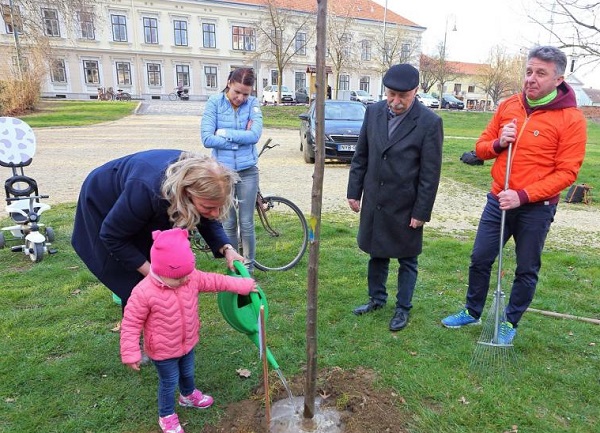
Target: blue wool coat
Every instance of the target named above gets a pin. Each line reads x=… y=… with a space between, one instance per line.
x=119 y=206
x=236 y=149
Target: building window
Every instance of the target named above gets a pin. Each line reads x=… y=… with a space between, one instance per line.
x=472 y=88
x=274 y=76
x=90 y=71
x=182 y=73
x=58 y=73
x=123 y=73
x=299 y=80
x=51 y=22
x=300 y=43
x=209 y=35
x=276 y=40
x=181 y=35
x=210 y=74
x=365 y=84
x=243 y=38
x=20 y=64
x=405 y=52
x=346 y=45
x=12 y=18
x=154 y=78
x=457 y=88
x=365 y=50
x=344 y=82
x=86 y=25
x=119 y=28
x=150 y=30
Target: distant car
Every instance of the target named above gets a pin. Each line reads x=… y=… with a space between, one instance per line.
x=343 y=120
x=449 y=101
x=428 y=100
x=361 y=96
x=270 y=94
x=302 y=95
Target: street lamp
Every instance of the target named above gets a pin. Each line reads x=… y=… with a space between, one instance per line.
x=385 y=59
x=446 y=35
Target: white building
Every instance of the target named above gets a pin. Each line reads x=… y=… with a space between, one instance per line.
x=146 y=48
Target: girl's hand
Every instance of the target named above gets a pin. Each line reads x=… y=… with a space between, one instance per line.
x=134 y=366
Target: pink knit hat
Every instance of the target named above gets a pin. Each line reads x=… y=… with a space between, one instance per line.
x=171 y=255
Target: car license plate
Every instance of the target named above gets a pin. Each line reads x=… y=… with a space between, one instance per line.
x=346 y=147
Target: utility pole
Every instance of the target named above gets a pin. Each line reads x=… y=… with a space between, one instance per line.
x=385 y=53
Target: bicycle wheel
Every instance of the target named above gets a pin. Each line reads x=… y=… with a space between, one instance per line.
x=173 y=96
x=125 y=97
x=281 y=234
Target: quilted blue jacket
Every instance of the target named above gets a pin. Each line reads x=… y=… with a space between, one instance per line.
x=235 y=145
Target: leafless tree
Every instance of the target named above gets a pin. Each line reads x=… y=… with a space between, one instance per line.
x=396 y=47
x=427 y=66
x=33 y=23
x=442 y=70
x=574 y=24
x=496 y=78
x=282 y=35
x=341 y=50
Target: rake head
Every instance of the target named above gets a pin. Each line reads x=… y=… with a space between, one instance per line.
x=494 y=352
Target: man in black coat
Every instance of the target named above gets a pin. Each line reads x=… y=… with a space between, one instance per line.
x=393 y=182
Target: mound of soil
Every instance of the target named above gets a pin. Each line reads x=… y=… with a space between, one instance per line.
x=362 y=407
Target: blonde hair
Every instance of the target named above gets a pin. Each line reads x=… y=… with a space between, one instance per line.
x=199 y=176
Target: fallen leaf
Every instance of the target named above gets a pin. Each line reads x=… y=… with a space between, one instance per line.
x=324 y=395
x=243 y=372
x=76 y=292
x=117 y=327
x=592 y=344
x=463 y=400
x=413 y=353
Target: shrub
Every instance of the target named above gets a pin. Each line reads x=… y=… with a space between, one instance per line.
x=18 y=96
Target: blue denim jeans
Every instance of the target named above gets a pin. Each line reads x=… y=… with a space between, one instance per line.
x=245 y=192
x=173 y=372
x=378 y=270
x=528 y=225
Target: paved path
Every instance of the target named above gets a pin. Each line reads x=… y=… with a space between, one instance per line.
x=66 y=155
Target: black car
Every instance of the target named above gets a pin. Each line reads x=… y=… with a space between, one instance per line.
x=449 y=101
x=343 y=120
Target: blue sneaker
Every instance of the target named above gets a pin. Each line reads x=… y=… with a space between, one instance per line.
x=460 y=319
x=507 y=333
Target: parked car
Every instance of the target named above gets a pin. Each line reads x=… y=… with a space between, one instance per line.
x=449 y=101
x=428 y=100
x=343 y=120
x=361 y=96
x=270 y=94
x=302 y=96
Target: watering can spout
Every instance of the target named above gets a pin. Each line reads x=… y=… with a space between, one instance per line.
x=242 y=312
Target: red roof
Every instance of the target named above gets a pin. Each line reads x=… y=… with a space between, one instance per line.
x=363 y=9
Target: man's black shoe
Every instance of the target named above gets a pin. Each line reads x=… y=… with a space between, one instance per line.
x=399 y=321
x=367 y=308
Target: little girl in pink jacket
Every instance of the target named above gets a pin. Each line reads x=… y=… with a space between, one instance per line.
x=164 y=305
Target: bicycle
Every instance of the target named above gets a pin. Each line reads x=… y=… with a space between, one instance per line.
x=122 y=96
x=280 y=227
x=184 y=96
x=109 y=94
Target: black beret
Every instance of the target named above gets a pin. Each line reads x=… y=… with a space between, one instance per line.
x=401 y=78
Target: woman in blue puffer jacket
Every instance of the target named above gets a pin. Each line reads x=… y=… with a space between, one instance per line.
x=231 y=126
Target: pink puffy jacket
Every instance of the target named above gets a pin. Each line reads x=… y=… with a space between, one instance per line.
x=169 y=316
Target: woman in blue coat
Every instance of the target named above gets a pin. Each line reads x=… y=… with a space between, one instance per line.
x=231 y=126
x=123 y=201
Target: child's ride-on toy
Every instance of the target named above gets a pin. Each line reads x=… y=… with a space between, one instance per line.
x=17 y=147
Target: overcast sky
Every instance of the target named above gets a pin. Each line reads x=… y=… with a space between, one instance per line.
x=480 y=25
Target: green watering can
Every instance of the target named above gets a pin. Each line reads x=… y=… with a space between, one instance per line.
x=242 y=312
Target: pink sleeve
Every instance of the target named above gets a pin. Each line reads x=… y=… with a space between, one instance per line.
x=132 y=324
x=213 y=282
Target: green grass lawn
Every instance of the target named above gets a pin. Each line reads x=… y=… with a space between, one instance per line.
x=77 y=113
x=61 y=371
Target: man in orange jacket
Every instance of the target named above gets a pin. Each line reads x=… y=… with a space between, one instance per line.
x=548 y=136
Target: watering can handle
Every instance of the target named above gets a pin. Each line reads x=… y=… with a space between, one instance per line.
x=241 y=270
